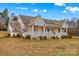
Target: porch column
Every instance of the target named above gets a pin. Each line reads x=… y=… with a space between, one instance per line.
x=66 y=31
x=50 y=32
x=32 y=30
x=60 y=30
x=60 y=33
x=44 y=30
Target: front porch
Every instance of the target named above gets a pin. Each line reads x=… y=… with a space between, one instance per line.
x=36 y=31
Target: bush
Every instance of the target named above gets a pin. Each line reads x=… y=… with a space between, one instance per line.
x=44 y=37
x=28 y=37
x=56 y=37
x=62 y=37
x=8 y=35
x=53 y=37
x=19 y=35
x=4 y=34
x=40 y=37
x=65 y=36
x=69 y=36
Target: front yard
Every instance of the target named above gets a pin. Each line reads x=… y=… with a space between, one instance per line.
x=25 y=47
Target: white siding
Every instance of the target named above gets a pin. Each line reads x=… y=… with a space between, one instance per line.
x=39 y=21
x=21 y=23
x=10 y=30
x=65 y=25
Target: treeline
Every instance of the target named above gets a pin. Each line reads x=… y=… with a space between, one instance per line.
x=4 y=19
x=74 y=27
x=73 y=32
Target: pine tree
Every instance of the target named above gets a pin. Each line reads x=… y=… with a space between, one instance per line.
x=5 y=16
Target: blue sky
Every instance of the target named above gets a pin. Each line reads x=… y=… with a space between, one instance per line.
x=46 y=10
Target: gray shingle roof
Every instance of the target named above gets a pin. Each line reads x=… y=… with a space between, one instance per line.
x=29 y=19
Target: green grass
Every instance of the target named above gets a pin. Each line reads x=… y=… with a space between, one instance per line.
x=50 y=47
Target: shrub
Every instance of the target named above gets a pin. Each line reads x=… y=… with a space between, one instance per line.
x=69 y=36
x=53 y=37
x=19 y=35
x=40 y=37
x=65 y=36
x=4 y=34
x=56 y=37
x=28 y=37
x=44 y=37
x=13 y=36
x=62 y=37
x=8 y=35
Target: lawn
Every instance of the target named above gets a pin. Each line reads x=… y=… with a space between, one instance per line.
x=50 y=47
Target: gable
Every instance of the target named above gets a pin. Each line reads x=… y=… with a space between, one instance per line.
x=15 y=26
x=39 y=21
x=65 y=25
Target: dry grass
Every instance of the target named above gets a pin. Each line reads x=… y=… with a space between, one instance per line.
x=21 y=47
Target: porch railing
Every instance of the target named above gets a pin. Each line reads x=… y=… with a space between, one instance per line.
x=48 y=34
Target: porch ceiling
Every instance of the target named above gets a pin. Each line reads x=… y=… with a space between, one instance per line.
x=37 y=25
x=52 y=26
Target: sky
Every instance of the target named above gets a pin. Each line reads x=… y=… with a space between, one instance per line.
x=46 y=10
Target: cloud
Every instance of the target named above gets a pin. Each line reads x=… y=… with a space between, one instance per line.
x=72 y=9
x=32 y=3
x=44 y=10
x=22 y=8
x=64 y=11
x=59 y=4
x=35 y=10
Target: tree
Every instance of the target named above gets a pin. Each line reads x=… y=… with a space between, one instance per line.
x=77 y=24
x=5 y=16
x=5 y=13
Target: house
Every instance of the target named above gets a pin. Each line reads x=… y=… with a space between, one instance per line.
x=37 y=26
x=72 y=24
x=77 y=24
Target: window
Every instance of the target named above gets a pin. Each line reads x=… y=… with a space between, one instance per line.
x=59 y=30
x=64 y=29
x=47 y=29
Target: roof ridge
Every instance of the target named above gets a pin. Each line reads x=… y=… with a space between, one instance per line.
x=26 y=16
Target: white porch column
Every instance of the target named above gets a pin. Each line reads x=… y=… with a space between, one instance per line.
x=66 y=31
x=44 y=30
x=32 y=30
x=50 y=32
x=61 y=30
x=60 y=33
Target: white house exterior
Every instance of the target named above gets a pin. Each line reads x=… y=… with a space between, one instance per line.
x=37 y=26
